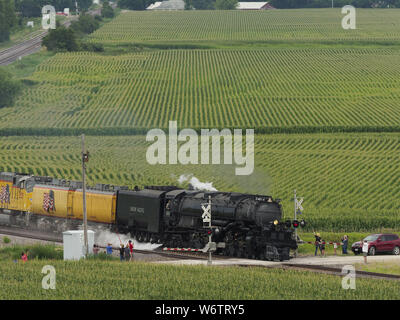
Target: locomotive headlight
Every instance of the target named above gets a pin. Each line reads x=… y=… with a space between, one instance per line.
x=276 y=222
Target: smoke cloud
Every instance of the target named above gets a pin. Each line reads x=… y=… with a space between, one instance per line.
x=196 y=183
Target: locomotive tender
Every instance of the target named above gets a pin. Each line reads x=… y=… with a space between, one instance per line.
x=244 y=225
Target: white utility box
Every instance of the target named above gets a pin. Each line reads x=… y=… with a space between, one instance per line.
x=74 y=248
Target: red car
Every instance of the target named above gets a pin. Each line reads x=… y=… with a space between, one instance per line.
x=379 y=243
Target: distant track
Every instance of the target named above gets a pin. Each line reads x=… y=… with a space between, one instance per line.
x=31 y=45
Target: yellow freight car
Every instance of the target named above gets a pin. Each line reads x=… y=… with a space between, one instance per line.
x=100 y=205
x=66 y=202
x=55 y=201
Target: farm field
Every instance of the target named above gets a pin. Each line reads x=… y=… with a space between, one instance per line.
x=348 y=181
x=254 y=28
x=271 y=90
x=115 y=280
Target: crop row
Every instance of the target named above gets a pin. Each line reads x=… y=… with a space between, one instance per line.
x=348 y=181
x=204 y=27
x=263 y=89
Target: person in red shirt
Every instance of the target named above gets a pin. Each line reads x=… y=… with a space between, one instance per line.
x=131 y=249
x=24 y=257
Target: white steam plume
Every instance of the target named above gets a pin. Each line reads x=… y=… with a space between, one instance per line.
x=196 y=183
x=103 y=237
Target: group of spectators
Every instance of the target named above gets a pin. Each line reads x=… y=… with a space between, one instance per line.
x=125 y=251
x=320 y=244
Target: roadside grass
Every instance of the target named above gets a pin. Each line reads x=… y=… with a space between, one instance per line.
x=33 y=252
x=27 y=65
x=114 y=280
x=380 y=267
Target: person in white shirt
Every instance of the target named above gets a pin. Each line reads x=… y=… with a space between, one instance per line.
x=365 y=250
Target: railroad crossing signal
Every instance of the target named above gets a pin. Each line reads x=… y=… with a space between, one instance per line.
x=299 y=207
x=206 y=212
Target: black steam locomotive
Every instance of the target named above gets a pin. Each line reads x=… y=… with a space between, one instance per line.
x=244 y=225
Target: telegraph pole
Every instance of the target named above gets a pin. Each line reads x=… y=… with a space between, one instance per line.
x=85 y=158
x=295 y=218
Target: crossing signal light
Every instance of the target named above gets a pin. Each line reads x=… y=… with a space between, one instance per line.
x=86 y=157
x=302 y=223
x=295 y=224
x=210 y=232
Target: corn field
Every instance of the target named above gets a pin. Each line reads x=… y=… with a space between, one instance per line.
x=249 y=27
x=114 y=280
x=287 y=90
x=348 y=181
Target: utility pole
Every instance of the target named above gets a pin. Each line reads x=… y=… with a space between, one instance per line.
x=295 y=219
x=85 y=158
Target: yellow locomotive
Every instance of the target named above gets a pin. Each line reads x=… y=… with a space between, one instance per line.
x=23 y=195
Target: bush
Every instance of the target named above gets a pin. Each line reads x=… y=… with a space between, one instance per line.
x=60 y=39
x=101 y=256
x=6 y=240
x=107 y=11
x=9 y=89
x=86 y=24
x=92 y=47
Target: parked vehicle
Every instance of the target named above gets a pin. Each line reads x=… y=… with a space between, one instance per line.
x=379 y=243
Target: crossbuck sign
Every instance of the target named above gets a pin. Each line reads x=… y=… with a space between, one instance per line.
x=206 y=212
x=299 y=207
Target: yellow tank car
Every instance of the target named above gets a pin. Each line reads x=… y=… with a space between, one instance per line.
x=100 y=205
x=55 y=201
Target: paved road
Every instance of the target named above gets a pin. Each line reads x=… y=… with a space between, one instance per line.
x=33 y=44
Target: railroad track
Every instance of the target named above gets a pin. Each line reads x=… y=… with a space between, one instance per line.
x=338 y=271
x=33 y=44
x=37 y=235
x=19 y=232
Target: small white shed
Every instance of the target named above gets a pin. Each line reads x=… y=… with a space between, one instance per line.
x=74 y=244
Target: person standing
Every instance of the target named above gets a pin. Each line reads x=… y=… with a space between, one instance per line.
x=131 y=249
x=24 y=257
x=345 y=242
x=127 y=253
x=121 y=252
x=317 y=242
x=365 y=250
x=109 y=249
x=322 y=248
x=96 y=249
